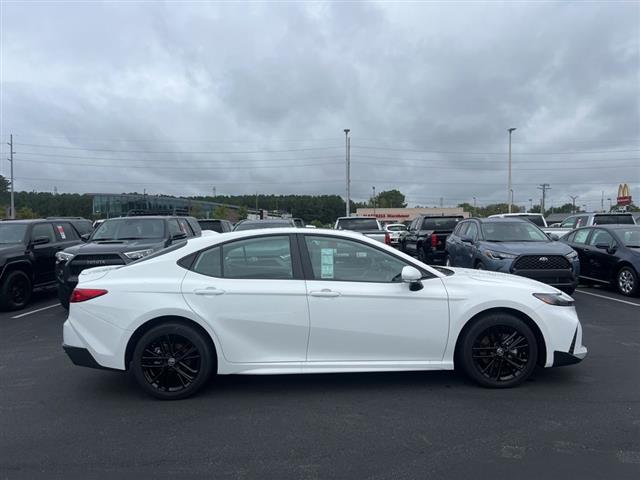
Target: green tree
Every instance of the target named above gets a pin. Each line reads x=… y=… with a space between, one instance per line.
x=243 y=212
x=25 y=213
x=390 y=199
x=4 y=184
x=220 y=212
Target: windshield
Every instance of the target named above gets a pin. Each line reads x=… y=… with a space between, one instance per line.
x=358 y=224
x=613 y=219
x=630 y=236
x=12 y=233
x=129 y=229
x=444 y=223
x=396 y=228
x=259 y=225
x=512 y=232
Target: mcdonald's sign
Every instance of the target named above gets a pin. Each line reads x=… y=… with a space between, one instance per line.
x=624 y=197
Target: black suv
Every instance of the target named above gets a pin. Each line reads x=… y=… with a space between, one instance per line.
x=28 y=257
x=119 y=241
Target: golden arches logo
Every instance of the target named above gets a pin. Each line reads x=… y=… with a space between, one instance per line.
x=623 y=190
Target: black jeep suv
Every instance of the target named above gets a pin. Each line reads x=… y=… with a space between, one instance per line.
x=119 y=241
x=28 y=255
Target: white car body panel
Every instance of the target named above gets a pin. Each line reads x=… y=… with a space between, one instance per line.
x=274 y=327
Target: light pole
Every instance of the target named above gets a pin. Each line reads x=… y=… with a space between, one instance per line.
x=530 y=204
x=610 y=205
x=573 y=201
x=374 y=200
x=347 y=144
x=474 y=207
x=509 y=191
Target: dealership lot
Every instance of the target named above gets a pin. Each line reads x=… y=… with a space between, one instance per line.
x=580 y=421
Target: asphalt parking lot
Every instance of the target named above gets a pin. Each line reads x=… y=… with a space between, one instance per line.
x=581 y=421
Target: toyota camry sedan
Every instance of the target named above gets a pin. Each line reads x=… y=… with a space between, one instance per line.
x=281 y=301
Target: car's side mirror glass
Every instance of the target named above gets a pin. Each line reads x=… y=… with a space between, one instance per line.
x=40 y=240
x=554 y=237
x=85 y=237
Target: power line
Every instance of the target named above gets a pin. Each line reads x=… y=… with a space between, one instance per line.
x=490 y=153
x=484 y=167
x=475 y=162
x=144 y=182
x=212 y=152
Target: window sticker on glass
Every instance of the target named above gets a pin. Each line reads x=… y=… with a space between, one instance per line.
x=361 y=254
x=61 y=232
x=326 y=262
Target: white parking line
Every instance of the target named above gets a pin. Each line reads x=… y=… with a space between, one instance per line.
x=609 y=298
x=35 y=311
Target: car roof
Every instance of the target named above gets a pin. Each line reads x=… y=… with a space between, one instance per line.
x=523 y=214
x=30 y=220
x=500 y=220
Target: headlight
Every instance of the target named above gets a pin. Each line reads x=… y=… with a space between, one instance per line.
x=139 y=253
x=558 y=299
x=572 y=256
x=64 y=256
x=498 y=255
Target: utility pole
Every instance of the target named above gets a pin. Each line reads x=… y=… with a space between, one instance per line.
x=530 y=204
x=544 y=187
x=214 y=191
x=347 y=153
x=374 y=200
x=474 y=207
x=602 y=202
x=12 y=215
x=573 y=200
x=441 y=202
x=509 y=190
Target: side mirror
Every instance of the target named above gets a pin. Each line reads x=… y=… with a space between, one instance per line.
x=85 y=237
x=604 y=246
x=178 y=236
x=466 y=239
x=412 y=276
x=40 y=240
x=554 y=237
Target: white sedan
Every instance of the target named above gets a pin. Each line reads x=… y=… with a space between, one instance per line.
x=282 y=301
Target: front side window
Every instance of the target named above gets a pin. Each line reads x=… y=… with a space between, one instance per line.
x=43 y=230
x=569 y=222
x=262 y=257
x=351 y=261
x=184 y=227
x=582 y=221
x=601 y=236
x=472 y=231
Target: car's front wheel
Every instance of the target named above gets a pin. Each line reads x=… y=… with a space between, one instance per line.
x=499 y=351
x=172 y=361
x=627 y=281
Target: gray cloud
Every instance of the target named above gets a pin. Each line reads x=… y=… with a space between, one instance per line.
x=179 y=78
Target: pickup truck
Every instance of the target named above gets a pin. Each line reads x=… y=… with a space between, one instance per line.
x=366 y=225
x=589 y=220
x=426 y=237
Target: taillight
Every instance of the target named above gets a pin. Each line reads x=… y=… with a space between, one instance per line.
x=387 y=239
x=434 y=240
x=84 y=294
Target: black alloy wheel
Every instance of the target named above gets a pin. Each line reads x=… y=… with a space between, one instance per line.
x=499 y=351
x=172 y=361
x=16 y=291
x=627 y=281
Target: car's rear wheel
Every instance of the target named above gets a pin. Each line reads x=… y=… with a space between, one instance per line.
x=172 y=361
x=627 y=281
x=16 y=290
x=499 y=351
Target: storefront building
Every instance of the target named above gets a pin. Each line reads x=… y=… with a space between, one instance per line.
x=402 y=215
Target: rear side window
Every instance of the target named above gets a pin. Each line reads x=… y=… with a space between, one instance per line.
x=601 y=236
x=613 y=219
x=581 y=236
x=209 y=263
x=65 y=232
x=262 y=257
x=185 y=227
x=582 y=221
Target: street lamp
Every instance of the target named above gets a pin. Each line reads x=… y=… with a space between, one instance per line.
x=374 y=200
x=347 y=155
x=509 y=191
x=530 y=204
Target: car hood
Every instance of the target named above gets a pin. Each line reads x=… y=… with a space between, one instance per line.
x=533 y=248
x=98 y=247
x=496 y=279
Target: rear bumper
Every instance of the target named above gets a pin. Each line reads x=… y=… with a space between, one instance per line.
x=82 y=357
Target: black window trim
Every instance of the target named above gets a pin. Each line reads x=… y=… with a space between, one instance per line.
x=188 y=261
x=308 y=268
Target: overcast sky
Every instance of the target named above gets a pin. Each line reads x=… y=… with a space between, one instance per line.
x=180 y=98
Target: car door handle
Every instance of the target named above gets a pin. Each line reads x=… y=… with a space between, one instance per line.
x=208 y=291
x=324 y=293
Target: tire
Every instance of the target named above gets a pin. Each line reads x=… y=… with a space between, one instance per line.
x=480 y=266
x=16 y=290
x=63 y=297
x=156 y=364
x=492 y=348
x=627 y=281
x=420 y=254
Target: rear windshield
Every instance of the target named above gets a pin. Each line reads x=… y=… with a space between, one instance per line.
x=214 y=225
x=613 y=219
x=630 y=236
x=444 y=223
x=396 y=228
x=357 y=224
x=129 y=229
x=535 y=219
x=512 y=232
